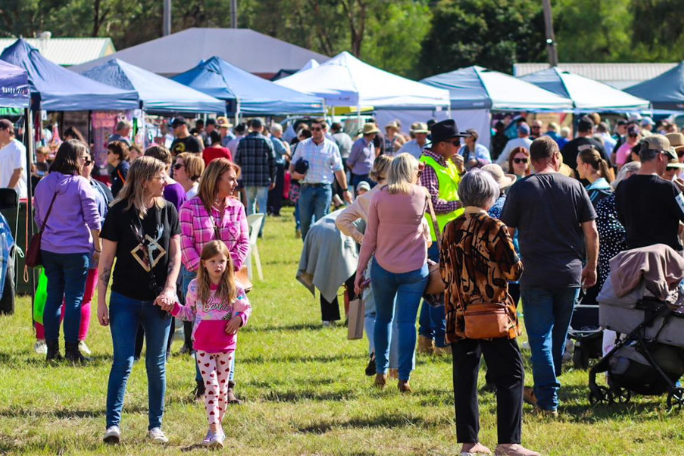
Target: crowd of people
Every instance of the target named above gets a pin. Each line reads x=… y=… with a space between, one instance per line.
x=533 y=221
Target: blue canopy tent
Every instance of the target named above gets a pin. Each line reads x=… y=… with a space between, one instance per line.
x=156 y=93
x=54 y=88
x=246 y=93
x=665 y=91
x=14 y=86
x=586 y=94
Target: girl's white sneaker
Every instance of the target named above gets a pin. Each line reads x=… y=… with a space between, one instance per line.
x=217 y=440
x=157 y=436
x=208 y=438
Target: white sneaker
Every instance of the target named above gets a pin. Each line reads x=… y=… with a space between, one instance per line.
x=208 y=438
x=217 y=440
x=40 y=347
x=83 y=348
x=157 y=436
x=113 y=435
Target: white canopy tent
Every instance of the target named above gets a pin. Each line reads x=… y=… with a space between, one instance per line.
x=586 y=94
x=346 y=81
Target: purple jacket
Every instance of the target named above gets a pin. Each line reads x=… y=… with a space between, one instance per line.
x=73 y=215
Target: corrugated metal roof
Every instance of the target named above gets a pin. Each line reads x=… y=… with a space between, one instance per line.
x=68 y=51
x=618 y=75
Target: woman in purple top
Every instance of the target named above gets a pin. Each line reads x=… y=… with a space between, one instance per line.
x=71 y=234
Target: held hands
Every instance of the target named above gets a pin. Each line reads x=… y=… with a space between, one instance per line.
x=233 y=325
x=166 y=300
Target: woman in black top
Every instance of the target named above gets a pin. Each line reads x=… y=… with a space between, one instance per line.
x=142 y=232
x=117 y=156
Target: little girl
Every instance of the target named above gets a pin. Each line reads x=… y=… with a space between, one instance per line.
x=219 y=308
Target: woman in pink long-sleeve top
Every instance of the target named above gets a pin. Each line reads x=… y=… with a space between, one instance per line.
x=214 y=214
x=398 y=236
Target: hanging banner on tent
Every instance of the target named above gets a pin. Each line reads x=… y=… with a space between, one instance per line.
x=103 y=124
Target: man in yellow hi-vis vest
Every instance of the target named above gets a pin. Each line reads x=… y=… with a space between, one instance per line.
x=441 y=176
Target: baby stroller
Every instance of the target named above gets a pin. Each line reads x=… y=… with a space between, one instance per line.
x=648 y=358
x=586 y=333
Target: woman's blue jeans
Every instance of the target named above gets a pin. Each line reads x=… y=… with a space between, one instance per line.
x=66 y=274
x=187 y=277
x=124 y=316
x=398 y=294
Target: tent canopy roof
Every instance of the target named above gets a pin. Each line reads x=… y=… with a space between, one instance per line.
x=255 y=95
x=476 y=87
x=586 y=94
x=665 y=91
x=253 y=51
x=345 y=80
x=157 y=93
x=15 y=87
x=62 y=90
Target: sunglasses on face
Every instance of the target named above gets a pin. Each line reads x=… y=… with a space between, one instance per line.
x=178 y=166
x=456 y=143
x=671 y=168
x=633 y=135
x=519 y=161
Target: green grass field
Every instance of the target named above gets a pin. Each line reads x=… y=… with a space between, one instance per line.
x=305 y=393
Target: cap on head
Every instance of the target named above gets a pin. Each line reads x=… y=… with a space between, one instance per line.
x=656 y=143
x=524 y=129
x=585 y=124
x=363 y=186
x=647 y=121
x=633 y=130
x=211 y=121
x=178 y=122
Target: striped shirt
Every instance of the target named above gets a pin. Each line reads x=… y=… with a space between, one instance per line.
x=197 y=229
x=324 y=160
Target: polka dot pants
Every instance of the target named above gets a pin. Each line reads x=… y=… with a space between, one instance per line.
x=215 y=369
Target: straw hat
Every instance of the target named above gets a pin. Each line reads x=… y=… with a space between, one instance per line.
x=369 y=128
x=676 y=140
x=223 y=122
x=419 y=127
x=504 y=180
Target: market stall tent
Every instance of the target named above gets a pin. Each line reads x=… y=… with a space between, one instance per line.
x=156 y=93
x=586 y=94
x=251 y=95
x=14 y=86
x=665 y=91
x=345 y=80
x=476 y=87
x=54 y=88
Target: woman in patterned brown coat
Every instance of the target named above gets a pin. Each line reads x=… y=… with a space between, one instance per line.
x=477 y=262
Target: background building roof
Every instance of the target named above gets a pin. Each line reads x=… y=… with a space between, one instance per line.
x=67 y=51
x=618 y=75
x=252 y=51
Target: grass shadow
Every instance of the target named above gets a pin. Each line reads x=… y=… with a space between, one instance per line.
x=381 y=421
x=284 y=328
x=309 y=395
x=299 y=359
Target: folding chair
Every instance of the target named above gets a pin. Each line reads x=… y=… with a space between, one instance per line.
x=254 y=221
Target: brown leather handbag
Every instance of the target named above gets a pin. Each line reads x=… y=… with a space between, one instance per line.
x=33 y=258
x=435 y=283
x=488 y=321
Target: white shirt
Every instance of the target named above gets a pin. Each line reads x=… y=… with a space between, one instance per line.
x=412 y=147
x=13 y=156
x=510 y=145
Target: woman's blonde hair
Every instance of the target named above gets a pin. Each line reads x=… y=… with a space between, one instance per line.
x=402 y=173
x=208 y=188
x=227 y=290
x=142 y=170
x=194 y=165
x=380 y=167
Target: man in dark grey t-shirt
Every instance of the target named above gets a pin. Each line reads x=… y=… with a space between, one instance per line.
x=557 y=233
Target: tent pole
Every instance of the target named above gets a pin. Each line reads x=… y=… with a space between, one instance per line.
x=449 y=110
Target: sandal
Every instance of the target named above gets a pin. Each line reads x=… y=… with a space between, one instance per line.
x=513 y=450
x=476 y=450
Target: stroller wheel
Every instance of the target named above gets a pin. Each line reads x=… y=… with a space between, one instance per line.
x=675 y=400
x=619 y=395
x=598 y=395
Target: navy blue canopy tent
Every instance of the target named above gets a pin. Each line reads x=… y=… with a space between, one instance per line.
x=246 y=93
x=54 y=88
x=14 y=86
x=157 y=93
x=665 y=91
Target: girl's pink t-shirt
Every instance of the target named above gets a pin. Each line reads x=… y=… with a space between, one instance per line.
x=211 y=318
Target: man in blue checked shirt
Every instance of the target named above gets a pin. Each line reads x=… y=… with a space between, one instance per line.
x=325 y=164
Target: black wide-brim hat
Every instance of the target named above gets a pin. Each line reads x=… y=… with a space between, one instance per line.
x=444 y=130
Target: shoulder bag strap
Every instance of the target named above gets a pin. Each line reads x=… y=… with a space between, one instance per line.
x=435 y=224
x=47 y=216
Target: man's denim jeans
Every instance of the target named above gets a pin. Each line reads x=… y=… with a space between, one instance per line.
x=432 y=319
x=547 y=313
x=314 y=202
x=257 y=201
x=125 y=314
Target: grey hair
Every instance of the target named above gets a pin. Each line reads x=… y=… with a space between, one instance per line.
x=626 y=171
x=276 y=128
x=479 y=189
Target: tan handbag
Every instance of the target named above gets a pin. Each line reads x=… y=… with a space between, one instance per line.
x=355 y=319
x=435 y=283
x=488 y=321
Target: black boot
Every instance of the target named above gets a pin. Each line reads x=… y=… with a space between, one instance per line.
x=199 y=391
x=232 y=400
x=53 y=350
x=73 y=354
